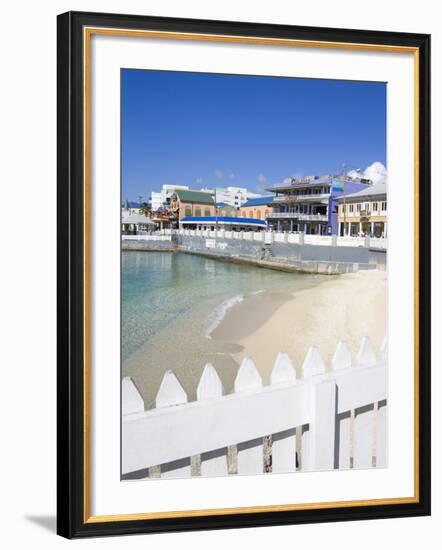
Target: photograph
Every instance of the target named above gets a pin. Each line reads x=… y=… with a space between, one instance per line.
x=254 y=262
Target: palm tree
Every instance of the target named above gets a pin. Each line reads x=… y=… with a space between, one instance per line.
x=145 y=209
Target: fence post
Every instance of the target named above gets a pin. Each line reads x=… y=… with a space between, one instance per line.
x=301 y=238
x=342 y=360
x=364 y=417
x=213 y=463
x=321 y=441
x=312 y=366
x=283 y=443
x=381 y=421
x=172 y=393
x=249 y=453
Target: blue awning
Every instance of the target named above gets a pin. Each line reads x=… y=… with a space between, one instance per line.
x=222 y=220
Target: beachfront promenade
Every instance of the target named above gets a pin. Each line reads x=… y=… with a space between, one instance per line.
x=266 y=237
x=285 y=251
x=330 y=418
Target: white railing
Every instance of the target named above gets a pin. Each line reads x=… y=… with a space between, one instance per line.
x=281 y=237
x=325 y=420
x=299 y=216
x=153 y=237
x=301 y=198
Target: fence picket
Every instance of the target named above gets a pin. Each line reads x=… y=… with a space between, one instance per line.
x=364 y=417
x=172 y=393
x=283 y=443
x=366 y=356
x=131 y=400
x=313 y=365
x=381 y=435
x=213 y=463
x=342 y=357
x=249 y=453
x=342 y=360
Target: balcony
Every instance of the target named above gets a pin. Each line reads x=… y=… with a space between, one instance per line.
x=312 y=217
x=298 y=216
x=321 y=198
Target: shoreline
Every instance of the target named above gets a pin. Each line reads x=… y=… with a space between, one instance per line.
x=319 y=316
x=288 y=317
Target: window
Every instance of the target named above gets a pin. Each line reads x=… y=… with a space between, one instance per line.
x=351 y=208
x=207 y=211
x=197 y=211
x=188 y=211
x=258 y=214
x=375 y=206
x=266 y=213
x=358 y=208
x=384 y=206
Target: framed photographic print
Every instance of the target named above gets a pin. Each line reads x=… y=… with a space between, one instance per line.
x=243 y=274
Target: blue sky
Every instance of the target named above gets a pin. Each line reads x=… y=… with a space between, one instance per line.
x=206 y=130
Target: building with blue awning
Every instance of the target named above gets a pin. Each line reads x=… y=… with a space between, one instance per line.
x=222 y=222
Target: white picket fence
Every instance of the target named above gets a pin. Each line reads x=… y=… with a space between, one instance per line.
x=325 y=420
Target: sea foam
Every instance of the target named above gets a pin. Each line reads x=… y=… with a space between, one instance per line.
x=218 y=314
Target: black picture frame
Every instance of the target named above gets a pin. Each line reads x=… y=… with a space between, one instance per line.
x=73 y=521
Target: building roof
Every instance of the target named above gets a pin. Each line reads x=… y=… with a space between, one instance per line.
x=311 y=182
x=259 y=201
x=376 y=190
x=134 y=217
x=223 y=220
x=195 y=196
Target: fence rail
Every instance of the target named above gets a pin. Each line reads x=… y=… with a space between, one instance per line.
x=325 y=420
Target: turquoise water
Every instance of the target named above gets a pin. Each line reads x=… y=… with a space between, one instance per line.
x=160 y=289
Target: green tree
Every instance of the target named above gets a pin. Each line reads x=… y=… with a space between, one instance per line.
x=145 y=209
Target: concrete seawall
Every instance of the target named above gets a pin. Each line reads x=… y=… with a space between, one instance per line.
x=276 y=255
x=152 y=246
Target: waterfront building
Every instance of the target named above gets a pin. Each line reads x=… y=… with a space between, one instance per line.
x=133 y=222
x=228 y=210
x=222 y=222
x=161 y=199
x=311 y=204
x=233 y=196
x=259 y=208
x=364 y=212
x=192 y=203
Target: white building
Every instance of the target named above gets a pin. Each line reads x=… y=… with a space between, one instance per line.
x=233 y=196
x=161 y=199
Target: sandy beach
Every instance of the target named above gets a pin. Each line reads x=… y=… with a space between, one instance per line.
x=345 y=307
x=289 y=317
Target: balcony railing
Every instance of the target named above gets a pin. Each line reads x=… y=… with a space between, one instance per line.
x=301 y=198
x=298 y=216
